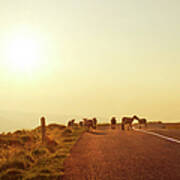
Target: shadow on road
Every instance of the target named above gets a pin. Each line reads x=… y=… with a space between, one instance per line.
x=98 y=133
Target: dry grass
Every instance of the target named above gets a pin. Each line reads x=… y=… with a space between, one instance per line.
x=161 y=125
x=167 y=129
x=172 y=125
x=22 y=156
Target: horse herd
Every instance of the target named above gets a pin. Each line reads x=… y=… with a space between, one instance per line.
x=125 y=122
x=88 y=123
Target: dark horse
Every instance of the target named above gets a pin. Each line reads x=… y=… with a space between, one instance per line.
x=129 y=121
x=142 y=121
x=71 y=123
x=90 y=123
x=94 y=122
x=113 y=123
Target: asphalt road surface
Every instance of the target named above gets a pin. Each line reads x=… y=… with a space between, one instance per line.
x=123 y=155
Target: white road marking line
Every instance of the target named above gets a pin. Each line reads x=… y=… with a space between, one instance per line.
x=159 y=135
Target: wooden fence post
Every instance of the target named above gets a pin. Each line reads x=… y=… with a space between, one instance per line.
x=43 y=129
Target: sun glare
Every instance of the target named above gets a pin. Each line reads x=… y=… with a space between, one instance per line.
x=23 y=54
x=23 y=51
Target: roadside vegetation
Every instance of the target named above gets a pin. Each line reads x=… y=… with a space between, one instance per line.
x=165 y=126
x=23 y=156
x=172 y=125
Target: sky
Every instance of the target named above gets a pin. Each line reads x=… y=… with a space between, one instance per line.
x=91 y=58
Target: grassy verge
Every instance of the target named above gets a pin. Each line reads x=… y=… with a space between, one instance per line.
x=172 y=125
x=22 y=156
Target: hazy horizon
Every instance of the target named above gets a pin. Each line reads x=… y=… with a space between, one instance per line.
x=15 y=120
x=90 y=58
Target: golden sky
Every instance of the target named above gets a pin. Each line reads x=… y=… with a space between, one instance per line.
x=91 y=58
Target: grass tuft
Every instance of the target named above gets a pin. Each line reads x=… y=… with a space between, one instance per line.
x=22 y=156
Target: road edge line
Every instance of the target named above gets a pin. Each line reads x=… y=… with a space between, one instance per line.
x=159 y=135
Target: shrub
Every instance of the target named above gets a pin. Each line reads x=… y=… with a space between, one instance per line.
x=51 y=144
x=12 y=174
x=26 y=138
x=39 y=151
x=15 y=163
x=10 y=141
x=45 y=176
x=18 y=132
x=23 y=155
x=67 y=132
x=45 y=170
x=58 y=126
x=59 y=156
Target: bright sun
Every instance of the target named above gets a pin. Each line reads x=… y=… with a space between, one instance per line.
x=23 y=54
x=23 y=50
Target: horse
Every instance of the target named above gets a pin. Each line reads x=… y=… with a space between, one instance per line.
x=129 y=121
x=71 y=123
x=94 y=122
x=89 y=123
x=81 y=123
x=142 y=121
x=113 y=123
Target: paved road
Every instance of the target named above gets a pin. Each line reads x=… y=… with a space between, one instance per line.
x=123 y=155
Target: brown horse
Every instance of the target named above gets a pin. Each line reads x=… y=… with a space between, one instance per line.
x=142 y=121
x=113 y=123
x=89 y=123
x=129 y=121
x=71 y=123
x=94 y=123
x=81 y=123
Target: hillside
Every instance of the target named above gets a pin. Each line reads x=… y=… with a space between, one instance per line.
x=23 y=156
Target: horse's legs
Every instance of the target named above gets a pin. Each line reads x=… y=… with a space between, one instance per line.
x=122 y=126
x=88 y=128
x=130 y=126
